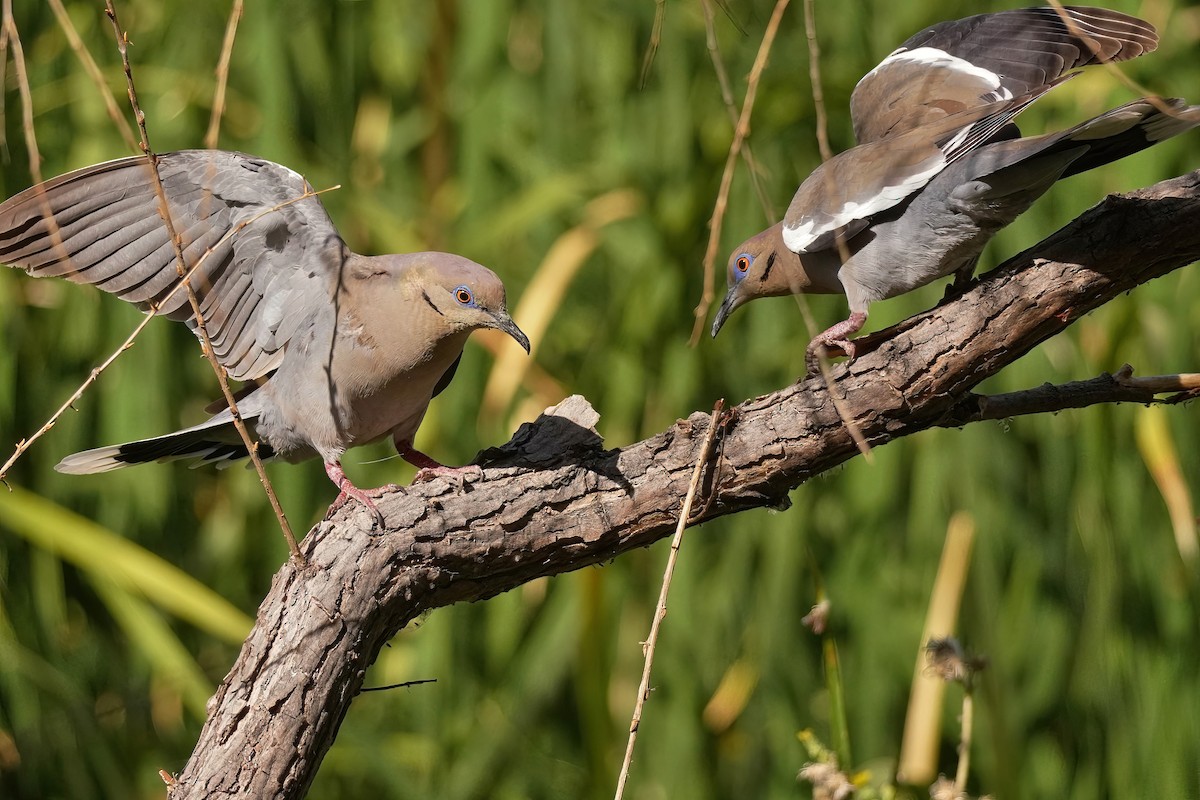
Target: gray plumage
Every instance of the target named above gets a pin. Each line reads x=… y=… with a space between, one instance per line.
x=940 y=168
x=340 y=349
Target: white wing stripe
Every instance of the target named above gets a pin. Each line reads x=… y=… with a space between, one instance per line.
x=938 y=59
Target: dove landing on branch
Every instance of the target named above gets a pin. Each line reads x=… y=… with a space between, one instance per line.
x=940 y=168
x=338 y=349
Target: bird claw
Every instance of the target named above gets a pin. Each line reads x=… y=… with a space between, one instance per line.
x=347 y=491
x=354 y=493
x=458 y=474
x=837 y=336
x=365 y=496
x=820 y=347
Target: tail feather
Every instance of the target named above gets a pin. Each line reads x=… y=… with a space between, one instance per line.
x=1129 y=129
x=213 y=442
x=1030 y=165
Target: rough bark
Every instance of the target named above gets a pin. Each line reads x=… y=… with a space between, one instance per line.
x=553 y=499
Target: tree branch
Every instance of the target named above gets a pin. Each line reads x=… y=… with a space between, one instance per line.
x=553 y=500
x=1119 y=388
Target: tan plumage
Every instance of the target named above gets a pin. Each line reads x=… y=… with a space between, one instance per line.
x=343 y=349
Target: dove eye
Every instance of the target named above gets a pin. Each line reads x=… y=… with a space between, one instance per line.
x=740 y=268
x=463 y=295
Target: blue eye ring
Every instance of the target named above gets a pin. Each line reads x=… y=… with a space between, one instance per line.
x=741 y=265
x=464 y=297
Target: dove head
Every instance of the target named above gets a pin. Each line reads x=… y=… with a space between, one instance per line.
x=464 y=296
x=762 y=266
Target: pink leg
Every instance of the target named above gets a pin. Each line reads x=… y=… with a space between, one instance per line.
x=835 y=336
x=428 y=469
x=348 y=490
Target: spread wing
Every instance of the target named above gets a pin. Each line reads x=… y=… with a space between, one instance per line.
x=945 y=92
x=263 y=271
x=969 y=62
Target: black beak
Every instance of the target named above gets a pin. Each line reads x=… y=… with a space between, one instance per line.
x=727 y=307
x=504 y=323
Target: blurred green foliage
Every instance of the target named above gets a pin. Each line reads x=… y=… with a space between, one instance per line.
x=488 y=128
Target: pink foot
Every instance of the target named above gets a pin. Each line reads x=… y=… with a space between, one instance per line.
x=428 y=469
x=347 y=490
x=835 y=336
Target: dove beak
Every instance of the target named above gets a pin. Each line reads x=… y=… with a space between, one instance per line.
x=503 y=322
x=730 y=303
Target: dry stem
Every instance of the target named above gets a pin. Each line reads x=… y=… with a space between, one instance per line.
x=739 y=137
x=660 y=612
x=12 y=38
x=660 y=14
x=93 y=71
x=964 y=744
x=214 y=123
x=182 y=268
x=714 y=53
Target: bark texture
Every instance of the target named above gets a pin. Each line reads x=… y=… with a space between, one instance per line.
x=554 y=499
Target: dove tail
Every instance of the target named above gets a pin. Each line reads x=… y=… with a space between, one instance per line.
x=1127 y=129
x=212 y=442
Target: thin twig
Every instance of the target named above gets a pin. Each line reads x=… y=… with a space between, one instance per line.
x=1108 y=63
x=822 y=131
x=93 y=71
x=25 y=444
x=739 y=137
x=214 y=123
x=1160 y=384
x=964 y=744
x=839 y=405
x=714 y=53
x=1120 y=387
x=814 y=78
x=816 y=86
x=660 y=611
x=13 y=39
x=728 y=419
x=181 y=267
x=660 y=14
x=5 y=15
x=390 y=686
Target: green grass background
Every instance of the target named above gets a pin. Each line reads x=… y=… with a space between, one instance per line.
x=512 y=132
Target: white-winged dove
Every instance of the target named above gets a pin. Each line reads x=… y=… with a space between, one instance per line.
x=940 y=168
x=340 y=349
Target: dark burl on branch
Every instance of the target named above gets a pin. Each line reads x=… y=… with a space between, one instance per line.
x=554 y=499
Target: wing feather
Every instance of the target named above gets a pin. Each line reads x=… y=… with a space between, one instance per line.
x=967 y=62
x=100 y=225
